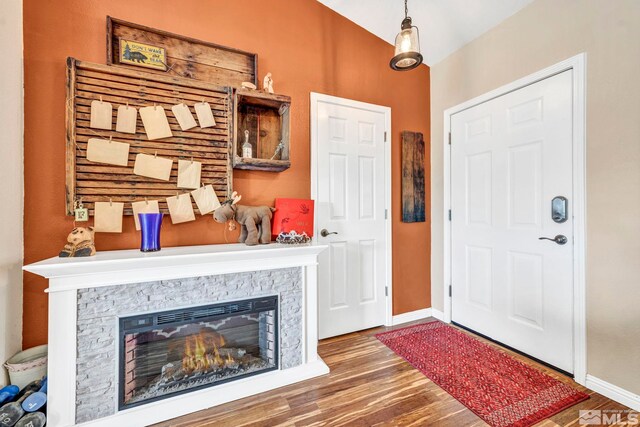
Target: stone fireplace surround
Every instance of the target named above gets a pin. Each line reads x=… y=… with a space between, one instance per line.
x=87 y=296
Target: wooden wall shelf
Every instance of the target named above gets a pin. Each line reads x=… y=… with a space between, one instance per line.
x=261 y=164
x=267 y=118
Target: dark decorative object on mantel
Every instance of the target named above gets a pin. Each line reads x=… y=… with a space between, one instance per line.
x=413 y=208
x=255 y=220
x=293 y=238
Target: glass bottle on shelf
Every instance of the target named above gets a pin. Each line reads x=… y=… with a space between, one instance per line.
x=247 y=151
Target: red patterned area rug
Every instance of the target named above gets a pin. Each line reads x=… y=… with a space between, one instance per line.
x=500 y=389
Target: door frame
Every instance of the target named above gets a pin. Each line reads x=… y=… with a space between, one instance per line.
x=319 y=97
x=578 y=65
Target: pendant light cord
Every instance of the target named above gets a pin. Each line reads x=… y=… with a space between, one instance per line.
x=406 y=9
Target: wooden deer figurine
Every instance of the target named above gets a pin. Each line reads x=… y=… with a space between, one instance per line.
x=255 y=220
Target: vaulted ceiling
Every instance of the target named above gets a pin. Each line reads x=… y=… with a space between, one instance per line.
x=445 y=25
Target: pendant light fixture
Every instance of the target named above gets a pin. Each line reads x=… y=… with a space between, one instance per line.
x=407 y=54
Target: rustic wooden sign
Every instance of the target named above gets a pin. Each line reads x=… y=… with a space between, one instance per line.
x=413 y=185
x=185 y=56
x=142 y=55
x=98 y=182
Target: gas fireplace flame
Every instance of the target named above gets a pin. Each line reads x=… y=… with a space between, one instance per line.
x=202 y=354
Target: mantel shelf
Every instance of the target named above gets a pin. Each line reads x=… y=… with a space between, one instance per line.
x=132 y=266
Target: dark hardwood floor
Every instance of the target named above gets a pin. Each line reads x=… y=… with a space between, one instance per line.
x=369 y=385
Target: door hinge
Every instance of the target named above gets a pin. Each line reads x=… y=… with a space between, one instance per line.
x=450 y=291
x=386 y=214
x=449 y=138
x=385 y=136
x=386 y=291
x=449 y=214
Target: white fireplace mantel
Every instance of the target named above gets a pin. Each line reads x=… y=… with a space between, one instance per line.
x=68 y=275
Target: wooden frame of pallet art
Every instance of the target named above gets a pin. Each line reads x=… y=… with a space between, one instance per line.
x=186 y=56
x=94 y=182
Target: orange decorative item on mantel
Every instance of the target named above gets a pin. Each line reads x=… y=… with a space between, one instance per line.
x=79 y=243
x=293 y=215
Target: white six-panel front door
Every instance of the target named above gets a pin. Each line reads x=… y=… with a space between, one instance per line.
x=510 y=157
x=350 y=201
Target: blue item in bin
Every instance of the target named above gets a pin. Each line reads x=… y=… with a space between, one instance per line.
x=36 y=400
x=8 y=393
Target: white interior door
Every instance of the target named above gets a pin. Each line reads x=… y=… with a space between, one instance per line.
x=510 y=157
x=350 y=169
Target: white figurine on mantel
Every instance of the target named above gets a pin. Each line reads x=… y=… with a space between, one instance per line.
x=267 y=83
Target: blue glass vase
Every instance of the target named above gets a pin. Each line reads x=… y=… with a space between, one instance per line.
x=150 y=224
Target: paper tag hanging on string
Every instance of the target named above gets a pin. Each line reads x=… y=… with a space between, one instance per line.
x=101 y=115
x=153 y=167
x=127 y=118
x=155 y=122
x=180 y=208
x=206 y=199
x=189 y=174
x=205 y=115
x=80 y=212
x=108 y=217
x=107 y=151
x=184 y=117
x=146 y=206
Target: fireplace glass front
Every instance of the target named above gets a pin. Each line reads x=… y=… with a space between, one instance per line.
x=172 y=352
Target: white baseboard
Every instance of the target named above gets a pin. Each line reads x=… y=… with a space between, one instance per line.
x=411 y=316
x=613 y=392
x=437 y=314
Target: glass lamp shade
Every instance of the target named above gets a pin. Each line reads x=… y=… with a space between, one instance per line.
x=407 y=53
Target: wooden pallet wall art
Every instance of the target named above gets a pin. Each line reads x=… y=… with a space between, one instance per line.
x=185 y=56
x=93 y=182
x=413 y=186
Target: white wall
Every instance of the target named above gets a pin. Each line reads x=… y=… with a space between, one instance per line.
x=11 y=171
x=540 y=35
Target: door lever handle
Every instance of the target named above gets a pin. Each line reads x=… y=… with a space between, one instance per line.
x=559 y=239
x=325 y=233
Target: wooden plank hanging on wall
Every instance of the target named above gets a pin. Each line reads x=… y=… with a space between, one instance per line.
x=413 y=186
x=186 y=56
x=93 y=182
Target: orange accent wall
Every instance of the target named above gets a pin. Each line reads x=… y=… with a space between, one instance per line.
x=306 y=46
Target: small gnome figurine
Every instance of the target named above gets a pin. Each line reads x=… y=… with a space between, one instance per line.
x=267 y=83
x=79 y=243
